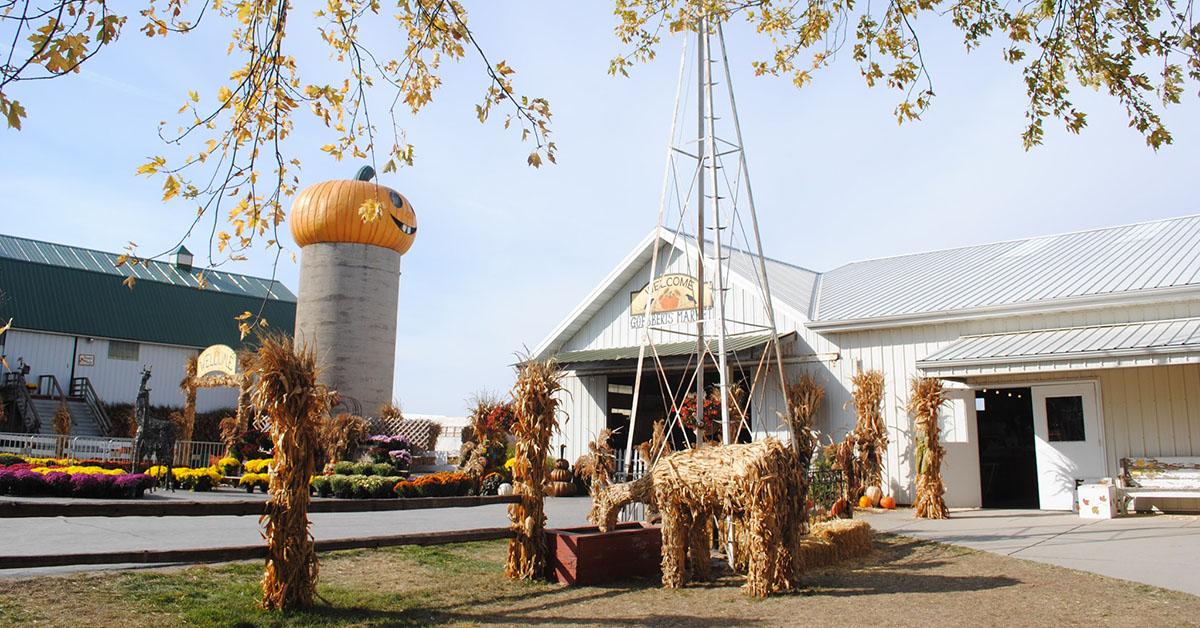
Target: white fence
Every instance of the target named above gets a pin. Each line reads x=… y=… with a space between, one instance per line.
x=187 y=453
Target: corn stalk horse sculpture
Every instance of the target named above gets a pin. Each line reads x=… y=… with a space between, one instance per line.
x=155 y=437
x=755 y=484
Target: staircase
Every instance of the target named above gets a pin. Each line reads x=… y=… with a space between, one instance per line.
x=83 y=421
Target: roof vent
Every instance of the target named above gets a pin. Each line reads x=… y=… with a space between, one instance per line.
x=182 y=258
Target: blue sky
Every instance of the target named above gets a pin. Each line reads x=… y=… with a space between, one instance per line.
x=505 y=251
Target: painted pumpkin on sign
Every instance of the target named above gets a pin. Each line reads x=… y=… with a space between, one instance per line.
x=329 y=212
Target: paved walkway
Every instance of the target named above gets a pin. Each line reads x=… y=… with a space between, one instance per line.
x=31 y=536
x=1162 y=550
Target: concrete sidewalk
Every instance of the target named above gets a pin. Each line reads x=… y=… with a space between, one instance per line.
x=59 y=535
x=1161 y=550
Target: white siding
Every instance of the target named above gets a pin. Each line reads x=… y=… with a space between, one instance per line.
x=583 y=404
x=896 y=351
x=115 y=381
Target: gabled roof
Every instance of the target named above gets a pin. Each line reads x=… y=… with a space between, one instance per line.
x=1059 y=270
x=791 y=286
x=68 y=290
x=79 y=258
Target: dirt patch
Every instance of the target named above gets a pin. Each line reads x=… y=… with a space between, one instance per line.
x=903 y=582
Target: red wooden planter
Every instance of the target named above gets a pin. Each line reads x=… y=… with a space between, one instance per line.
x=580 y=556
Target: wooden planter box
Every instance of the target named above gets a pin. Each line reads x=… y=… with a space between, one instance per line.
x=581 y=556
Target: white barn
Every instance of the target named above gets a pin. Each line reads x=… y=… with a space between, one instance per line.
x=73 y=319
x=1062 y=354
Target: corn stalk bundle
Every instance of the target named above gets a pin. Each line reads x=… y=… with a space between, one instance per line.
x=232 y=430
x=870 y=433
x=62 y=419
x=750 y=483
x=535 y=407
x=245 y=384
x=803 y=399
x=62 y=425
x=597 y=466
x=479 y=436
x=923 y=403
x=844 y=459
x=342 y=435
x=188 y=386
x=288 y=394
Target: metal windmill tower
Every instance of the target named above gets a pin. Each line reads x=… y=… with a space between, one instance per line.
x=706 y=187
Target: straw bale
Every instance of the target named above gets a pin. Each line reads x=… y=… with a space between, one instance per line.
x=833 y=541
x=294 y=402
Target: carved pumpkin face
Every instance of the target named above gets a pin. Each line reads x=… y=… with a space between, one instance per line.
x=329 y=212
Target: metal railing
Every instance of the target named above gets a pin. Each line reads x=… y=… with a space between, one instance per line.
x=81 y=388
x=24 y=402
x=198 y=453
x=47 y=386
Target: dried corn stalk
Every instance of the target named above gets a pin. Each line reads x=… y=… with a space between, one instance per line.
x=924 y=401
x=188 y=422
x=535 y=407
x=804 y=399
x=62 y=425
x=342 y=434
x=870 y=433
x=288 y=394
x=597 y=466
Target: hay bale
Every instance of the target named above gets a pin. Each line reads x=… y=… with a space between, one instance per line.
x=833 y=541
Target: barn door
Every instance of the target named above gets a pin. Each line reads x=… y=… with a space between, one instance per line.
x=1067 y=441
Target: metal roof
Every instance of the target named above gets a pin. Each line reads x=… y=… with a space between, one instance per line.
x=732 y=343
x=66 y=300
x=1153 y=339
x=1136 y=258
x=65 y=256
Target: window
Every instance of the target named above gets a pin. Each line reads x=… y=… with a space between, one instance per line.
x=121 y=350
x=1064 y=418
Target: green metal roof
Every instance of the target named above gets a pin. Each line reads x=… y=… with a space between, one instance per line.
x=732 y=343
x=70 y=300
x=64 y=256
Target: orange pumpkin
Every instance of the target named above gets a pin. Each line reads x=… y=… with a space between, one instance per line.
x=329 y=212
x=864 y=502
x=887 y=502
x=561 y=475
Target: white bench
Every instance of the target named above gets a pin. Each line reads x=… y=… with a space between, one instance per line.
x=1162 y=478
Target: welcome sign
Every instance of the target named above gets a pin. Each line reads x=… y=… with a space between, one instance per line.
x=216 y=360
x=672 y=298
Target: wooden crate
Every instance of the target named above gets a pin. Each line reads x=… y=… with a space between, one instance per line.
x=583 y=556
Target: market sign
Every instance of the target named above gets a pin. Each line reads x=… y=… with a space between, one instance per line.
x=673 y=299
x=216 y=360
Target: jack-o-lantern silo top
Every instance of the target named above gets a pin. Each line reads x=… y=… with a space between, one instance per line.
x=328 y=212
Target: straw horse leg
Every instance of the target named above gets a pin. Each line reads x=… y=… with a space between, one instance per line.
x=700 y=545
x=674 y=544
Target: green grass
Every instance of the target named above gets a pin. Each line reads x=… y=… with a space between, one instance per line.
x=228 y=595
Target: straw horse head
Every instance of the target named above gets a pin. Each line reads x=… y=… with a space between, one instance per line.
x=755 y=484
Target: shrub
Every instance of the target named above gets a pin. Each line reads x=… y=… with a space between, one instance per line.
x=340 y=486
x=9 y=459
x=257 y=465
x=57 y=483
x=345 y=468
x=321 y=484
x=383 y=446
x=251 y=481
x=227 y=465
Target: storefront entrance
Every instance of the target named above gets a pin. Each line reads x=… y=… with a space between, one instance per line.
x=1037 y=443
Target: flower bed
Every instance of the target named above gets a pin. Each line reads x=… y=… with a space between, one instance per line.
x=200 y=480
x=391 y=486
x=25 y=480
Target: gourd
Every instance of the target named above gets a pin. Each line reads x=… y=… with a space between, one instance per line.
x=329 y=212
x=875 y=493
x=864 y=502
x=560 y=489
x=561 y=475
x=888 y=502
x=505 y=489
